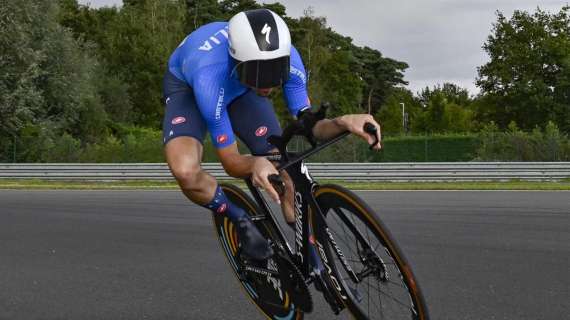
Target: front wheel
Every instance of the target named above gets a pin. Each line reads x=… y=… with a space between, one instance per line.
x=268 y=293
x=360 y=255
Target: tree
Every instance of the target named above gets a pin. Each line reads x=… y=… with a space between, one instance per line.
x=137 y=46
x=201 y=12
x=452 y=93
x=528 y=76
x=390 y=114
x=379 y=74
x=49 y=97
x=20 y=96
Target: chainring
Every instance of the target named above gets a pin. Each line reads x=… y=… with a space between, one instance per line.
x=294 y=282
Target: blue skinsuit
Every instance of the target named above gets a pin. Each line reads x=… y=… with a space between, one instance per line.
x=203 y=64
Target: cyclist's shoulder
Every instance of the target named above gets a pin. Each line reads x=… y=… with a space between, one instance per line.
x=204 y=50
x=207 y=39
x=206 y=31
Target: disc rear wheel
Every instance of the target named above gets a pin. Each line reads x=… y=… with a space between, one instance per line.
x=267 y=292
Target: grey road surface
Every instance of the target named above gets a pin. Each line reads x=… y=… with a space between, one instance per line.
x=153 y=255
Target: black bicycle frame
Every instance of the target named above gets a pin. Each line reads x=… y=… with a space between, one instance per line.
x=304 y=186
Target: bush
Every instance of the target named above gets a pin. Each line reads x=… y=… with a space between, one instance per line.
x=129 y=144
x=110 y=150
x=65 y=149
x=437 y=148
x=516 y=145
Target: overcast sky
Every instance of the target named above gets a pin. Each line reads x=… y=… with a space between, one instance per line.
x=440 y=39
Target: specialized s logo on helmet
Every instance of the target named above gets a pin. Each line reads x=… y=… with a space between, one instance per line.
x=266 y=31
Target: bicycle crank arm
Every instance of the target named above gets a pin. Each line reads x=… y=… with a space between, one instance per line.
x=261 y=271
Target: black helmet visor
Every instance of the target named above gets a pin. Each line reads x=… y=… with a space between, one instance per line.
x=263 y=74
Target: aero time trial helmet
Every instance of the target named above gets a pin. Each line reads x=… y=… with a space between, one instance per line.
x=260 y=45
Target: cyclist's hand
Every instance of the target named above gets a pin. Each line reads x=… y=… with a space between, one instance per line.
x=262 y=168
x=355 y=124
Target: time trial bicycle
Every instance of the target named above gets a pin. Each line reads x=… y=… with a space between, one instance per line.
x=340 y=245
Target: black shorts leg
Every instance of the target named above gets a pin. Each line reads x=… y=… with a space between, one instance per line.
x=182 y=117
x=253 y=120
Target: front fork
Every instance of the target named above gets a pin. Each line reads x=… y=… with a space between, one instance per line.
x=321 y=273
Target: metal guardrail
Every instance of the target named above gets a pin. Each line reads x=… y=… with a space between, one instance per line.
x=448 y=171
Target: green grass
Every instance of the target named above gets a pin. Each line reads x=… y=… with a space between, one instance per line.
x=159 y=185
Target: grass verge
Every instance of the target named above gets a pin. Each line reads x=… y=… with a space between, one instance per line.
x=160 y=185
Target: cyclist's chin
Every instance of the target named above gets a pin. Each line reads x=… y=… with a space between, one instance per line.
x=263 y=92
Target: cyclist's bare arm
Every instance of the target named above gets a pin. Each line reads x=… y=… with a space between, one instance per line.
x=328 y=128
x=240 y=166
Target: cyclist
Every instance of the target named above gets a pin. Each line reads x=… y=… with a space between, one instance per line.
x=218 y=80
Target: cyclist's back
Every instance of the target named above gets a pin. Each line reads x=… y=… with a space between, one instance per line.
x=206 y=47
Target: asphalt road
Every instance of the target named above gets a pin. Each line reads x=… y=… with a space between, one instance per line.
x=153 y=255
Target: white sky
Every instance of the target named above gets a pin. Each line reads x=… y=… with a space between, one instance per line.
x=440 y=39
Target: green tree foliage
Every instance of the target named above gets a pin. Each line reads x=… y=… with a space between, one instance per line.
x=447 y=109
x=200 y=12
x=379 y=74
x=527 y=79
x=73 y=77
x=137 y=47
x=390 y=115
x=48 y=84
x=442 y=109
x=20 y=71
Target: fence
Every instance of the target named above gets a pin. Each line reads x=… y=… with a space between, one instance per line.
x=457 y=171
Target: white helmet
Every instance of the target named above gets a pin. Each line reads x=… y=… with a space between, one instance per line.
x=260 y=44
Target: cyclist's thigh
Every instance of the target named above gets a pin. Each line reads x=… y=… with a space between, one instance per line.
x=181 y=117
x=253 y=120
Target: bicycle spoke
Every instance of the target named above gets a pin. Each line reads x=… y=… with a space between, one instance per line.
x=378 y=308
x=392 y=298
x=381 y=308
x=351 y=252
x=368 y=298
x=342 y=239
x=397 y=284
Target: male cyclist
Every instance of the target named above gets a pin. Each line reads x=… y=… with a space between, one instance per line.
x=218 y=80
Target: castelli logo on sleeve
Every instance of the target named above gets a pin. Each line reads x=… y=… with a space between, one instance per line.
x=178 y=120
x=222 y=208
x=261 y=131
x=222 y=139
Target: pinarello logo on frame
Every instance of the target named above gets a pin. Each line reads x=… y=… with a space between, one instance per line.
x=222 y=139
x=261 y=131
x=222 y=208
x=178 y=120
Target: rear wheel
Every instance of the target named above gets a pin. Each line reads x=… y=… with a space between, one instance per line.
x=266 y=292
x=362 y=257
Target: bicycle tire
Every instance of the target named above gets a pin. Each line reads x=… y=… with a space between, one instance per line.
x=272 y=303
x=369 y=265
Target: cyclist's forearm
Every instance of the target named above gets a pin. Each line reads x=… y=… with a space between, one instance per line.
x=239 y=166
x=235 y=164
x=327 y=128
